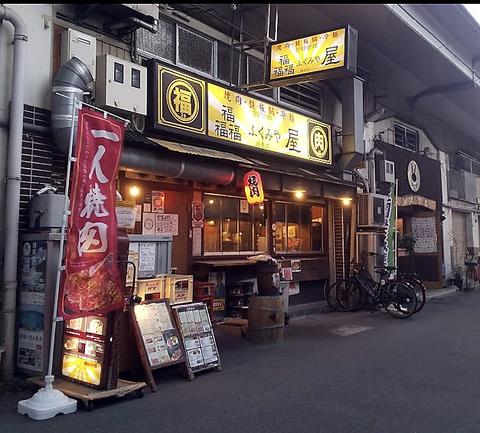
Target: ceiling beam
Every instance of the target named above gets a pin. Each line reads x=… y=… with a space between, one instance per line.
x=462 y=85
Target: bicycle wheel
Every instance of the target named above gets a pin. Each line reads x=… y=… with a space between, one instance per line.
x=350 y=296
x=398 y=299
x=418 y=288
x=331 y=296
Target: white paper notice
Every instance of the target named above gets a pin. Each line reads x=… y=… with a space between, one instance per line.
x=147 y=257
x=148 y=226
x=166 y=223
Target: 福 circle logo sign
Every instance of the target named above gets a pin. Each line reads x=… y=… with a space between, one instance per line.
x=413 y=176
x=318 y=142
x=182 y=101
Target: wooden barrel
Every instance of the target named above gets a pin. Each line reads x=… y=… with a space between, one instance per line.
x=266 y=319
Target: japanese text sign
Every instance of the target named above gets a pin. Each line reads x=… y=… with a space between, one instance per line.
x=181 y=103
x=315 y=55
x=252 y=182
x=92 y=282
x=240 y=119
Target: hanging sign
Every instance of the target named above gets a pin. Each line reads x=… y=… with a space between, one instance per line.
x=198 y=214
x=252 y=182
x=91 y=284
x=316 y=57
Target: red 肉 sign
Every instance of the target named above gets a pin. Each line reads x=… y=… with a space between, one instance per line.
x=91 y=283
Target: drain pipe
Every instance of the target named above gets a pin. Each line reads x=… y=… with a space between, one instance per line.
x=12 y=204
x=371 y=168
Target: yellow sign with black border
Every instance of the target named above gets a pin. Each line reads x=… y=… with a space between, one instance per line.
x=244 y=120
x=181 y=100
x=307 y=55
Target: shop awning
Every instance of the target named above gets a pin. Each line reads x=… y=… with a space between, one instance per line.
x=284 y=176
x=132 y=136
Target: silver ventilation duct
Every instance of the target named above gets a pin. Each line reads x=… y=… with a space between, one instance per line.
x=72 y=81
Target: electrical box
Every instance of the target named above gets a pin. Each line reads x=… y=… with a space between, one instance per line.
x=80 y=45
x=387 y=171
x=371 y=210
x=121 y=84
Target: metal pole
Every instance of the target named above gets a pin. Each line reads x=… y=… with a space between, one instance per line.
x=12 y=180
x=60 y=268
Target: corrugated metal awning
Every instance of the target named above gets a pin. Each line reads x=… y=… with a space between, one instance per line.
x=132 y=136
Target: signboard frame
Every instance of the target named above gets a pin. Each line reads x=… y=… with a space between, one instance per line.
x=106 y=377
x=217 y=366
x=349 y=68
x=148 y=368
x=152 y=124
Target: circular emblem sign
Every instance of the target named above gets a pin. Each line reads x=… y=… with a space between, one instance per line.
x=182 y=101
x=413 y=175
x=319 y=142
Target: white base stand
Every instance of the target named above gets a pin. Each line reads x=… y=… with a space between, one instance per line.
x=47 y=402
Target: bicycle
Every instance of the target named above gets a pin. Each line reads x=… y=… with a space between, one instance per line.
x=418 y=287
x=416 y=284
x=396 y=297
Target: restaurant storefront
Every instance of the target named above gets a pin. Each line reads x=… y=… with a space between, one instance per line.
x=205 y=139
x=419 y=210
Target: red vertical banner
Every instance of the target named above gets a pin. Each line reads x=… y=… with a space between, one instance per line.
x=91 y=283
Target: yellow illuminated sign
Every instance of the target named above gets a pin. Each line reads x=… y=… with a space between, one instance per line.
x=240 y=119
x=307 y=55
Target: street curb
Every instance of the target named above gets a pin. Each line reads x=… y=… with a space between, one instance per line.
x=443 y=293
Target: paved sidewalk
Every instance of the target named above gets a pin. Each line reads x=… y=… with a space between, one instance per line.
x=440 y=293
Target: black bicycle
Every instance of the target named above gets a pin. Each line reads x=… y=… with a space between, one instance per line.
x=397 y=298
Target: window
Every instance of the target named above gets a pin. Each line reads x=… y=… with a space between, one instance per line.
x=118 y=72
x=255 y=75
x=232 y=226
x=195 y=51
x=406 y=137
x=299 y=228
x=223 y=59
x=160 y=45
x=308 y=96
x=136 y=78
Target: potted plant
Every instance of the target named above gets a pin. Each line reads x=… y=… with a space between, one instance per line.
x=457 y=277
x=406 y=245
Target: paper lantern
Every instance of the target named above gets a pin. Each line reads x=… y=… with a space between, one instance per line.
x=252 y=182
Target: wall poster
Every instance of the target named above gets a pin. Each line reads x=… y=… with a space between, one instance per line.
x=32 y=306
x=425 y=233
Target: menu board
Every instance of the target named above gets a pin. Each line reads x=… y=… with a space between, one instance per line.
x=197 y=334
x=84 y=344
x=157 y=337
x=158 y=333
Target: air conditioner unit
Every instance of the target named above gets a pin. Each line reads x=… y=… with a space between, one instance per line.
x=121 y=85
x=80 y=45
x=371 y=210
x=387 y=171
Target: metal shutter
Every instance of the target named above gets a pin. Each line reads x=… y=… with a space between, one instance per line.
x=459 y=239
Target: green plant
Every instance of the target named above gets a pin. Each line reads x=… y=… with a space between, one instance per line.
x=458 y=272
x=408 y=242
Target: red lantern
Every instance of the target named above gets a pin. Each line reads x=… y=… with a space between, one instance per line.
x=252 y=182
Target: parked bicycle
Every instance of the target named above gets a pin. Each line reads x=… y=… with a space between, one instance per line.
x=396 y=297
